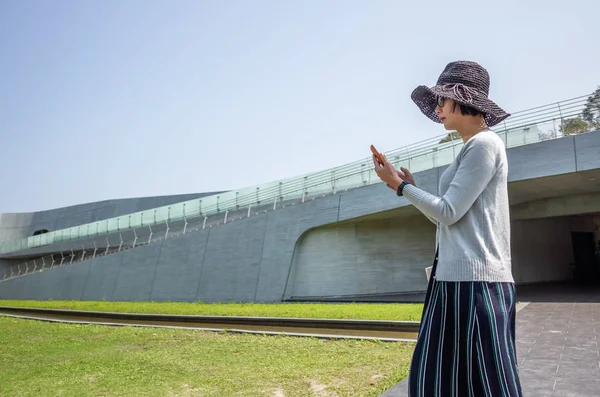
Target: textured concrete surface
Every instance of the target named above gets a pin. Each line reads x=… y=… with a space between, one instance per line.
x=557 y=346
x=378 y=256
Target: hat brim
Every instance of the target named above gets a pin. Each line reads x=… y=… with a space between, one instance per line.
x=424 y=98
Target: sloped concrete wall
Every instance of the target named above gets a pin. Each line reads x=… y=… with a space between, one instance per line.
x=365 y=241
x=19 y=225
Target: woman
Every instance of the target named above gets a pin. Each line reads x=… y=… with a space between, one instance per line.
x=466 y=342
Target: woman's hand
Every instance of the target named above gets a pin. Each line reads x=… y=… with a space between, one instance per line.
x=407 y=176
x=387 y=173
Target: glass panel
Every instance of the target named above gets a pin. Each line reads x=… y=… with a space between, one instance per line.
x=102 y=227
x=349 y=182
x=147 y=217
x=444 y=155
x=176 y=211
x=135 y=220
x=209 y=205
x=420 y=163
x=317 y=190
x=113 y=225
x=192 y=208
x=161 y=215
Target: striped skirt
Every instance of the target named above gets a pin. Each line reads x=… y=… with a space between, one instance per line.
x=466 y=342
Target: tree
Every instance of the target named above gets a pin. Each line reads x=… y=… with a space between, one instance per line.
x=591 y=111
x=452 y=136
x=574 y=126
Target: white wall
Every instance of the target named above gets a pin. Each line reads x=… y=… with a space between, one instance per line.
x=542 y=249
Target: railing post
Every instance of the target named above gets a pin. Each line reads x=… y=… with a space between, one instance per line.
x=43 y=263
x=362 y=173
x=275 y=203
x=562 y=120
x=107 y=246
x=184 y=219
x=333 y=180
x=72 y=256
x=135 y=237
x=304 y=189
x=280 y=190
x=249 y=207
x=35 y=265
x=225 y=220
x=82 y=253
x=204 y=223
x=150 y=236
x=236 y=200
x=167 y=231
x=121 y=243
x=95 y=249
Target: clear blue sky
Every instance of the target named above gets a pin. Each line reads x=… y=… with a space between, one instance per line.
x=112 y=99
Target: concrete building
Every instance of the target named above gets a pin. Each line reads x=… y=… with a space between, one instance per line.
x=352 y=241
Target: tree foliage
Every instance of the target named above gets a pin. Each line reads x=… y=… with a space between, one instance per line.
x=591 y=111
x=574 y=126
x=452 y=136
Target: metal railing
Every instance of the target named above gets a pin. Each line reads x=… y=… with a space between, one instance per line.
x=524 y=127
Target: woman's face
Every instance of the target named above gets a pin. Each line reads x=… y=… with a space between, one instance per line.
x=445 y=109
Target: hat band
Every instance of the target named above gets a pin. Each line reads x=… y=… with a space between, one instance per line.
x=462 y=92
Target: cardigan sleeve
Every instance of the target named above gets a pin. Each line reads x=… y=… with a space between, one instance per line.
x=478 y=164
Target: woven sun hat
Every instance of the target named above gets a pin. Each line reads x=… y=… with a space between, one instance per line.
x=465 y=82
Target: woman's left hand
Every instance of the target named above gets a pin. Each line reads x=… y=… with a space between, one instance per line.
x=387 y=173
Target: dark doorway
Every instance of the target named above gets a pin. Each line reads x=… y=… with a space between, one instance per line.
x=584 y=252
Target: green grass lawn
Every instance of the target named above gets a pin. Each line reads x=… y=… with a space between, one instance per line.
x=48 y=359
x=358 y=311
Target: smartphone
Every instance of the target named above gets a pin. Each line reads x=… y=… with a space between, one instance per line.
x=377 y=155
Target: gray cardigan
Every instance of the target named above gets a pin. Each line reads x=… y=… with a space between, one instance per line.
x=472 y=213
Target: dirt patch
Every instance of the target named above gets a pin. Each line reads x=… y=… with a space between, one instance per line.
x=186 y=391
x=318 y=389
x=278 y=393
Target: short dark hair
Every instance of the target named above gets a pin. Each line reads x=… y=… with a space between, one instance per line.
x=467 y=110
